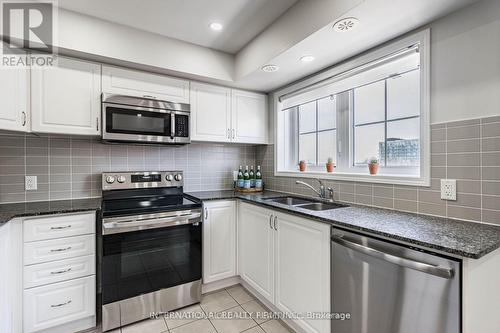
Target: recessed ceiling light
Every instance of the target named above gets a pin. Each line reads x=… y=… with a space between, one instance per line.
x=270 y=68
x=216 y=26
x=307 y=58
x=346 y=24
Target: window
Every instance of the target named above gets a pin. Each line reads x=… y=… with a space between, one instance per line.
x=372 y=107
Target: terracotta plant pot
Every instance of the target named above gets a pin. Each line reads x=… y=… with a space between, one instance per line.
x=329 y=167
x=373 y=167
x=302 y=166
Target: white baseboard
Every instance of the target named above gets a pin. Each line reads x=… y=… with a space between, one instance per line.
x=212 y=286
x=74 y=326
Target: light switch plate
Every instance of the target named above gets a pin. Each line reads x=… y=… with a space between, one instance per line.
x=30 y=183
x=449 y=189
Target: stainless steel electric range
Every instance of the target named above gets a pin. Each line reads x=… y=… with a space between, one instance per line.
x=151 y=246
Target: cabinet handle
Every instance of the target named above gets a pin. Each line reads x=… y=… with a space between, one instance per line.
x=148 y=96
x=234 y=135
x=60 y=250
x=206 y=213
x=97 y=123
x=271 y=221
x=61 y=272
x=275 y=220
x=59 y=228
x=24 y=118
x=60 y=304
x=228 y=133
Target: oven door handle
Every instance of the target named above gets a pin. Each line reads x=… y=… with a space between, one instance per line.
x=139 y=224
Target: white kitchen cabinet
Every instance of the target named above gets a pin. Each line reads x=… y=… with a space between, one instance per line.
x=210 y=113
x=59 y=303
x=128 y=82
x=249 y=117
x=66 y=98
x=219 y=240
x=221 y=114
x=14 y=98
x=286 y=259
x=256 y=248
x=303 y=269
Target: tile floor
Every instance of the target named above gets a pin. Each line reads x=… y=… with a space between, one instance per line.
x=229 y=301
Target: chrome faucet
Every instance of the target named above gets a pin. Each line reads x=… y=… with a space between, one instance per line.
x=322 y=190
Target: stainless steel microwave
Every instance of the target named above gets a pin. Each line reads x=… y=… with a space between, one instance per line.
x=144 y=120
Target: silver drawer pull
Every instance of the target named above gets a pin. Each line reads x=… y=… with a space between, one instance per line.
x=62 y=227
x=60 y=304
x=61 y=272
x=59 y=250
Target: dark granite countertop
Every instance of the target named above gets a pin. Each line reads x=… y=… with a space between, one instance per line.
x=455 y=237
x=11 y=210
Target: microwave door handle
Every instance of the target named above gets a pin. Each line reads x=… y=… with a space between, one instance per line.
x=172 y=125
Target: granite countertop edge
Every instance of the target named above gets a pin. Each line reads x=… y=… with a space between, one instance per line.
x=9 y=211
x=477 y=253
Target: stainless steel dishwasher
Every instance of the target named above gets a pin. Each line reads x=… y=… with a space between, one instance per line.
x=387 y=288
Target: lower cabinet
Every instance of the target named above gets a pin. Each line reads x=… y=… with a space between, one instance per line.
x=59 y=303
x=256 y=248
x=287 y=260
x=219 y=240
x=58 y=274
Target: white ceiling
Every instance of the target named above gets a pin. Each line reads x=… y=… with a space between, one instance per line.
x=189 y=20
x=380 y=21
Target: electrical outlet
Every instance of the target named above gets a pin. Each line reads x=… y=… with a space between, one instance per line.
x=448 y=189
x=30 y=183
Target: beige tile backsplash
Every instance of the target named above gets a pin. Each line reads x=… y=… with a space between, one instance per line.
x=468 y=151
x=71 y=167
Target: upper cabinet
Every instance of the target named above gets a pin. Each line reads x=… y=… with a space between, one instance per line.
x=14 y=98
x=249 y=117
x=141 y=84
x=210 y=113
x=221 y=114
x=66 y=98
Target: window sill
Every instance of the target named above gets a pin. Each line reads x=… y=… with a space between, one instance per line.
x=358 y=177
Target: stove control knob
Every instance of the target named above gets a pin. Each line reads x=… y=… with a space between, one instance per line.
x=178 y=177
x=121 y=179
x=110 y=179
x=169 y=178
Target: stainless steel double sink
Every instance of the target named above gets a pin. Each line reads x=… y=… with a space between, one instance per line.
x=309 y=204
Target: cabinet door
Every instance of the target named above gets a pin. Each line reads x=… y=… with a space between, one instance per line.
x=219 y=241
x=141 y=84
x=66 y=98
x=303 y=269
x=59 y=303
x=210 y=113
x=14 y=98
x=249 y=117
x=256 y=248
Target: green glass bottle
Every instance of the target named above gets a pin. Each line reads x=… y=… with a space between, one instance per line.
x=241 y=182
x=252 y=177
x=246 y=178
x=258 y=178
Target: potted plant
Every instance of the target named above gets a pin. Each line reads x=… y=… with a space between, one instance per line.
x=329 y=165
x=302 y=166
x=373 y=165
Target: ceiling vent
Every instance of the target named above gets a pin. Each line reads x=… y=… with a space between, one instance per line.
x=346 y=24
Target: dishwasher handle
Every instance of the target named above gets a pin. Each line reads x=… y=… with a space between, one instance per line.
x=443 y=272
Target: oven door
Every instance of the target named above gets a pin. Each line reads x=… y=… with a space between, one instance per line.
x=147 y=260
x=141 y=124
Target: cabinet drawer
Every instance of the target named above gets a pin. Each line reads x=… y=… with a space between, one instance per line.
x=58 y=303
x=56 y=249
x=57 y=226
x=57 y=271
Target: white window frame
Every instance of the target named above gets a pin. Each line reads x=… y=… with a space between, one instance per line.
x=422 y=38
